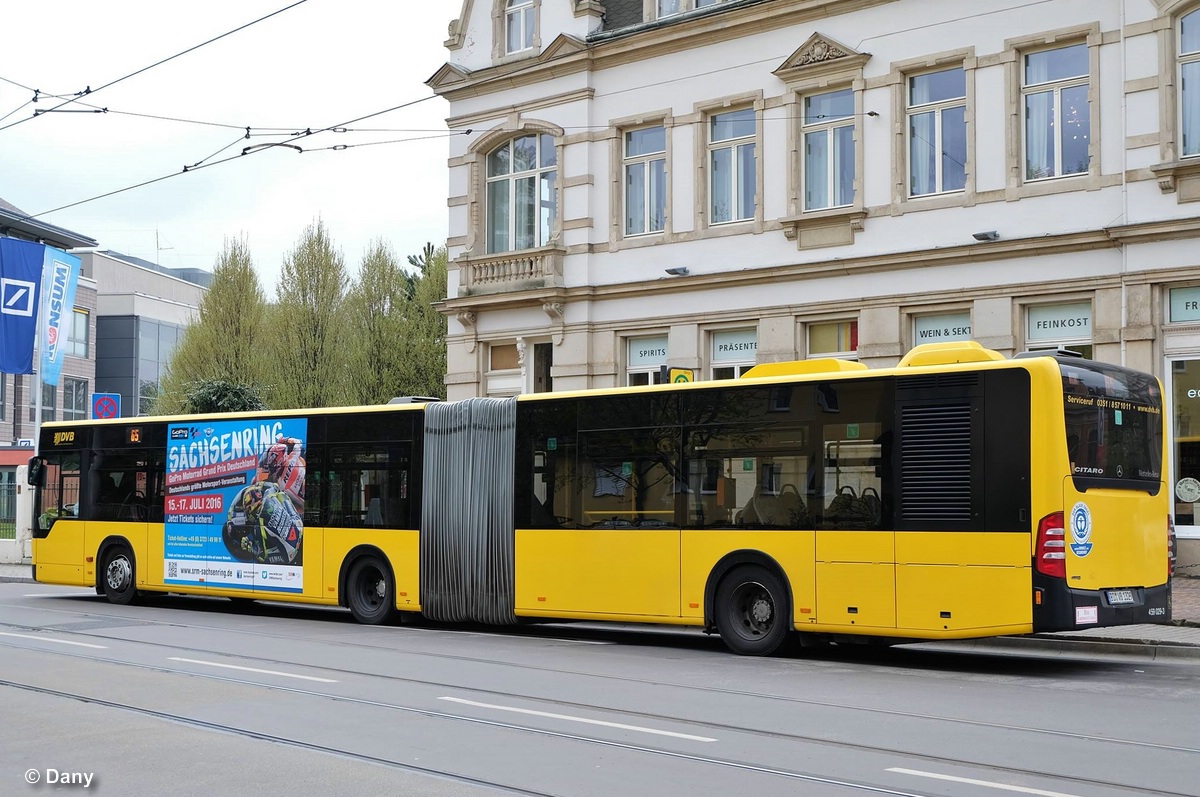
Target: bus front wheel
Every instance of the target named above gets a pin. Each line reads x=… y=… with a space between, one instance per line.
x=118 y=575
x=752 y=611
x=370 y=593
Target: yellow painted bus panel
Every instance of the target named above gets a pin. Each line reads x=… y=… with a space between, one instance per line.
x=59 y=556
x=401 y=547
x=69 y=575
x=1007 y=549
x=855 y=594
x=872 y=547
x=622 y=572
x=1115 y=538
x=135 y=533
x=155 y=554
x=957 y=598
x=793 y=550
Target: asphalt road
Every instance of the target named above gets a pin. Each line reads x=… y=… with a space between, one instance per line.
x=190 y=696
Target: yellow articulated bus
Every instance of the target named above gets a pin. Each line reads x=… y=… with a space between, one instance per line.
x=959 y=494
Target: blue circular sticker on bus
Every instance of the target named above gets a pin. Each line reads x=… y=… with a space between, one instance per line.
x=1081 y=529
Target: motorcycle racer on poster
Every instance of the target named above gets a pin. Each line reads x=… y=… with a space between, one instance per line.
x=264 y=526
x=283 y=463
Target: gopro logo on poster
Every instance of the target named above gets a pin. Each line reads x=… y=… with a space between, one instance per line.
x=179 y=434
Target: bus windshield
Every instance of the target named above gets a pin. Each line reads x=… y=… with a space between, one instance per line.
x=1114 y=426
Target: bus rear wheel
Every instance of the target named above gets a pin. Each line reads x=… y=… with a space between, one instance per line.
x=752 y=611
x=369 y=591
x=118 y=575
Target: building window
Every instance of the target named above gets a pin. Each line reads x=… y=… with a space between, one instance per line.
x=732 y=167
x=941 y=328
x=1189 y=81
x=645 y=180
x=1050 y=326
x=1185 y=386
x=829 y=150
x=75 y=396
x=669 y=8
x=77 y=335
x=733 y=352
x=521 y=193
x=834 y=339
x=937 y=132
x=4 y=396
x=49 y=400
x=644 y=360
x=518 y=25
x=1057 y=112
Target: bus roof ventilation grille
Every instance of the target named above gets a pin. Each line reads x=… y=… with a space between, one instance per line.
x=939 y=381
x=935 y=463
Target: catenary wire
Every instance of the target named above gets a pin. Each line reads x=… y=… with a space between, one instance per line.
x=247 y=151
x=90 y=91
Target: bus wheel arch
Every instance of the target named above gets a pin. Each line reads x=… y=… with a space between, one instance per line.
x=748 y=601
x=367 y=585
x=116 y=571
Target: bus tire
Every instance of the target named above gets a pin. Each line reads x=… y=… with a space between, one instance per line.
x=752 y=611
x=118 y=575
x=370 y=593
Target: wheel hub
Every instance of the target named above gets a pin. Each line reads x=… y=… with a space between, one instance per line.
x=118 y=573
x=761 y=611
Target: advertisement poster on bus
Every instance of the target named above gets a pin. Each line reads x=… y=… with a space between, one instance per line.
x=235 y=504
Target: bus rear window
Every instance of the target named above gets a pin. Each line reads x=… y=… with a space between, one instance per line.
x=1114 y=426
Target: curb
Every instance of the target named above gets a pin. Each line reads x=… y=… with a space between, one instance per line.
x=1146 y=650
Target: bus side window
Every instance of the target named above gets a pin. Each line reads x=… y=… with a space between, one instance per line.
x=59 y=495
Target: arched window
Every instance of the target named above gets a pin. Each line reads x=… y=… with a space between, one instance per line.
x=522 y=199
x=1189 y=82
x=518 y=25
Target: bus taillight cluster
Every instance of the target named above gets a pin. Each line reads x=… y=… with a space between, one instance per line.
x=1052 y=546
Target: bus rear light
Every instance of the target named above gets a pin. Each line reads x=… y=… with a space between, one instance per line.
x=1051 y=555
x=1170 y=546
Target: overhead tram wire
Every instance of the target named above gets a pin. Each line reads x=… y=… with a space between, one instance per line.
x=343 y=127
x=90 y=91
x=251 y=150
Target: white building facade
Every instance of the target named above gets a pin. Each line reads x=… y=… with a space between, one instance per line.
x=710 y=184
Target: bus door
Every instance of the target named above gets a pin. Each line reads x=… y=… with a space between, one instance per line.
x=124 y=495
x=57 y=530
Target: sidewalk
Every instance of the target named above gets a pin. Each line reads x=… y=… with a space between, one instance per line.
x=1181 y=639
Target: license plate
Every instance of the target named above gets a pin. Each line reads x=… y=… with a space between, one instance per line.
x=1119 y=597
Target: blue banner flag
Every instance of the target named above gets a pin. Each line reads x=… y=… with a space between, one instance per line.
x=61 y=275
x=20 y=295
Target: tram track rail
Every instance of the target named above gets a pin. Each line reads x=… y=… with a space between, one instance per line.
x=911 y=755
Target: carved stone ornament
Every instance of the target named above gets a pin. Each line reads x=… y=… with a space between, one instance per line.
x=819 y=54
x=820 y=50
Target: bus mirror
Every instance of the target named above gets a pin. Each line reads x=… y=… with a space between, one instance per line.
x=37 y=472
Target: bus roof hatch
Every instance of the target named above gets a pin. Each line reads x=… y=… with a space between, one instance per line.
x=796 y=367
x=957 y=351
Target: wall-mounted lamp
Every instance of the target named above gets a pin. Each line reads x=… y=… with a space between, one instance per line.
x=990 y=235
x=678 y=271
